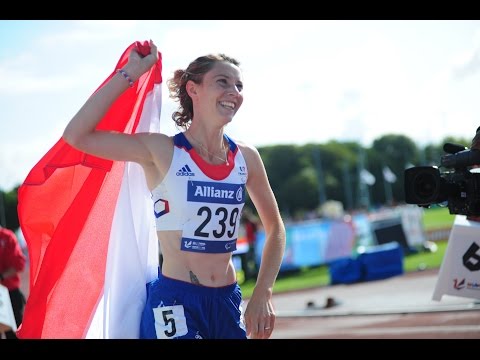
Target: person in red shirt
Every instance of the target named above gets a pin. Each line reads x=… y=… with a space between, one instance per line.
x=12 y=263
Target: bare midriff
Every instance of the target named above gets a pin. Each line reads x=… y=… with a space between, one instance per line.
x=213 y=270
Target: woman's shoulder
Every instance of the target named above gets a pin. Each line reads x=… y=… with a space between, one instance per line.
x=248 y=150
x=155 y=138
x=250 y=153
x=244 y=146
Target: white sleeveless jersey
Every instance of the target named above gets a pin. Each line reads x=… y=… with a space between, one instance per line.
x=203 y=200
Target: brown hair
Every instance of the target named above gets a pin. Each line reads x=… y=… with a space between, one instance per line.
x=195 y=72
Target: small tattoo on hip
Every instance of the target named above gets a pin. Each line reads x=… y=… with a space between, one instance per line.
x=194 y=279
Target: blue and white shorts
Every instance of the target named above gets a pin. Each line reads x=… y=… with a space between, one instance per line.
x=177 y=309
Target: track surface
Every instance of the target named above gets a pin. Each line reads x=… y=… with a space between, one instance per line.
x=395 y=308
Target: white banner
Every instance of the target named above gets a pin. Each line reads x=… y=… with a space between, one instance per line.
x=7 y=319
x=412 y=223
x=460 y=271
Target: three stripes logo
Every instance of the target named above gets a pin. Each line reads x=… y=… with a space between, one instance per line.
x=185 y=171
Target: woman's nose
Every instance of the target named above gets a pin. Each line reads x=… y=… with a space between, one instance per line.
x=233 y=90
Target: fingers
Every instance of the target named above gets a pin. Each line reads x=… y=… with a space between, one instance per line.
x=153 y=56
x=259 y=319
x=153 y=48
x=261 y=330
x=142 y=50
x=267 y=331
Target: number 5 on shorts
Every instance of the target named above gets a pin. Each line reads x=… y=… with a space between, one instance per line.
x=170 y=321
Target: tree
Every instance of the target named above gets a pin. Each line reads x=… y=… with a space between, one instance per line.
x=282 y=162
x=395 y=152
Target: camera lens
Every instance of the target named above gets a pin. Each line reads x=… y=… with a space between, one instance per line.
x=425 y=185
x=422 y=185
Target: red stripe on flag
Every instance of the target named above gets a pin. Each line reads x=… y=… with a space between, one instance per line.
x=65 y=207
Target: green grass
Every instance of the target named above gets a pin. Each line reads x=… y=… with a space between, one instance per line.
x=319 y=276
x=437 y=218
x=425 y=259
x=301 y=279
x=434 y=218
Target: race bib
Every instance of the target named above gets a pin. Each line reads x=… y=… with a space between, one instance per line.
x=214 y=213
x=170 y=322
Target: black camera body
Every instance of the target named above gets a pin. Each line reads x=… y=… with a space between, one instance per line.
x=458 y=186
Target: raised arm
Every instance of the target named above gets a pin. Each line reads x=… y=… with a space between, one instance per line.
x=81 y=133
x=260 y=314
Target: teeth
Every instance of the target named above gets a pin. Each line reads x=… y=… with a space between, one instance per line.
x=228 y=104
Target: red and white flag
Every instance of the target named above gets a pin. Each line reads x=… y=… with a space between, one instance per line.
x=90 y=229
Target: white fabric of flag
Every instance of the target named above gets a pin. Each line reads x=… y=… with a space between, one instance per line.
x=133 y=247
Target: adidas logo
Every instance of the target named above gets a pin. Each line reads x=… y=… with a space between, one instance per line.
x=185 y=171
